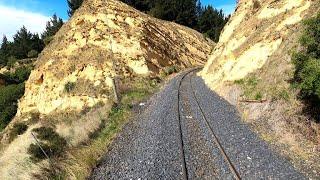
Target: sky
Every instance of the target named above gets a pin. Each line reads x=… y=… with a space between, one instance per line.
x=35 y=13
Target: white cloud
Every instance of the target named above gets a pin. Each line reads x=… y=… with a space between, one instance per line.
x=228 y=8
x=13 y=19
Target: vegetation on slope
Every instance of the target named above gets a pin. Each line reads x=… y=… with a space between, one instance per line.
x=25 y=45
x=79 y=161
x=307 y=60
x=8 y=102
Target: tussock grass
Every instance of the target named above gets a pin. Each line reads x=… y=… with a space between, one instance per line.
x=69 y=86
x=17 y=129
x=79 y=161
x=51 y=142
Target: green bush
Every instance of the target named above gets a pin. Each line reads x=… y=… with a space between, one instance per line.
x=32 y=54
x=47 y=40
x=20 y=75
x=307 y=60
x=6 y=115
x=52 y=143
x=69 y=86
x=11 y=61
x=170 y=70
x=8 y=102
x=17 y=129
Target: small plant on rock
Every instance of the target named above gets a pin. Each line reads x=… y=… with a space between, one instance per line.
x=69 y=86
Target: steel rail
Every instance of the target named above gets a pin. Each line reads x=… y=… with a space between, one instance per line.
x=184 y=164
x=216 y=139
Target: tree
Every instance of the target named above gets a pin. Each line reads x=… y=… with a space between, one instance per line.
x=142 y=5
x=23 y=42
x=52 y=27
x=189 y=13
x=73 y=6
x=4 y=49
x=211 y=22
x=199 y=9
x=186 y=12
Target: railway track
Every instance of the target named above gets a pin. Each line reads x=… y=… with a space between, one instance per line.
x=200 y=137
x=223 y=153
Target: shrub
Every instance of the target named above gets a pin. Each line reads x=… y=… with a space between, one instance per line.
x=6 y=115
x=52 y=143
x=47 y=40
x=258 y=96
x=8 y=102
x=69 y=86
x=32 y=54
x=169 y=70
x=307 y=60
x=20 y=75
x=11 y=61
x=17 y=129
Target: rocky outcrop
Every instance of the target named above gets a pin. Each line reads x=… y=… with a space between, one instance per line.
x=251 y=68
x=104 y=39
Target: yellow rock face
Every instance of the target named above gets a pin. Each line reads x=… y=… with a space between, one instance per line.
x=103 y=39
x=255 y=32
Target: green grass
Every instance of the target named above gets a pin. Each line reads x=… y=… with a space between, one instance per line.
x=169 y=70
x=132 y=97
x=250 y=88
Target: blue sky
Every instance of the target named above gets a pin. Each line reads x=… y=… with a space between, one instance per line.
x=34 y=13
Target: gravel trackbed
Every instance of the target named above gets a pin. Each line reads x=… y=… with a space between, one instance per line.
x=174 y=138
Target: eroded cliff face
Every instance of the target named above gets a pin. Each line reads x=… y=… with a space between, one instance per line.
x=104 y=39
x=75 y=72
x=251 y=68
x=256 y=31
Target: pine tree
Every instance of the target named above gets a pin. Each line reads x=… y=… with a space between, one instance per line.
x=4 y=51
x=199 y=8
x=73 y=6
x=211 y=22
x=191 y=13
x=52 y=28
x=23 y=42
x=186 y=12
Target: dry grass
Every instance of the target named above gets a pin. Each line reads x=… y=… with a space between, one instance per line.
x=80 y=160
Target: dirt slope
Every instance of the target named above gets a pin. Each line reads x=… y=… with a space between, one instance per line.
x=252 y=62
x=102 y=40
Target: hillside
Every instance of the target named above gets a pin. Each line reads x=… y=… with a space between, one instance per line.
x=251 y=67
x=74 y=74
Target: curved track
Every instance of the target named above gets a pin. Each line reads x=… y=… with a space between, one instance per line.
x=216 y=140
x=188 y=132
